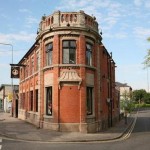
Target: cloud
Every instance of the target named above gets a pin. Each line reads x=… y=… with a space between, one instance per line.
x=145 y=3
x=106 y=11
x=138 y=2
x=30 y=21
x=110 y=21
x=24 y=10
x=73 y=4
x=4 y=65
x=141 y=32
x=21 y=36
x=118 y=35
x=5 y=52
x=4 y=16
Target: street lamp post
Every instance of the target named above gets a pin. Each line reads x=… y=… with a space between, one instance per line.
x=147 y=80
x=11 y=48
x=8 y=44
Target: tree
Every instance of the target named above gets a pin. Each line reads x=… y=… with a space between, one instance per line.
x=147 y=57
x=126 y=102
x=138 y=95
x=147 y=98
x=141 y=96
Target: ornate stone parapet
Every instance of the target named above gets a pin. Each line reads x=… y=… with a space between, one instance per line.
x=68 y=19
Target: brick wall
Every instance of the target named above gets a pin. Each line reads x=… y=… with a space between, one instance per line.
x=69 y=97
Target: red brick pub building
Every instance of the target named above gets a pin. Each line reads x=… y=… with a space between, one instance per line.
x=68 y=79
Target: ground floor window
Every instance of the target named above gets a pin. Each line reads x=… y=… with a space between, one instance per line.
x=89 y=94
x=36 y=100
x=31 y=100
x=1 y=103
x=22 y=100
x=49 y=101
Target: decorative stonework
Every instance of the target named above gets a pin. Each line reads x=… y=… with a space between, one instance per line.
x=68 y=19
x=69 y=76
x=48 y=79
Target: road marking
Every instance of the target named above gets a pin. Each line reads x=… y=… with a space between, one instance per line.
x=0 y=145
x=124 y=137
x=127 y=135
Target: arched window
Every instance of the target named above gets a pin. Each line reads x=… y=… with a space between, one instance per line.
x=62 y=18
x=49 y=21
x=66 y=18
x=52 y=20
x=71 y=17
x=75 y=18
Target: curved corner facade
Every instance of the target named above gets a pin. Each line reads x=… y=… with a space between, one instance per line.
x=67 y=82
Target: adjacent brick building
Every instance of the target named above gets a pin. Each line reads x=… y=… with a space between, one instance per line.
x=125 y=93
x=6 y=98
x=67 y=82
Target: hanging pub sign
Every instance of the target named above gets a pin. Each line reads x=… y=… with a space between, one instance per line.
x=15 y=71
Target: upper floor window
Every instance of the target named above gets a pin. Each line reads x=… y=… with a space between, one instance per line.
x=21 y=74
x=37 y=61
x=89 y=54
x=49 y=50
x=69 y=52
x=27 y=69
x=32 y=65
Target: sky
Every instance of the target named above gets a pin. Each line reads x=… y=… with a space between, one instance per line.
x=125 y=26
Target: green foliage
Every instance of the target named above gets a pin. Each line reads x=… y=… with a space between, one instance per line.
x=141 y=96
x=147 y=98
x=138 y=95
x=147 y=57
x=126 y=103
x=141 y=105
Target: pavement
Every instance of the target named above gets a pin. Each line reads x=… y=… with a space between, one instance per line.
x=16 y=129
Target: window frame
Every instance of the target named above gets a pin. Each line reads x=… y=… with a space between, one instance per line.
x=23 y=100
x=89 y=54
x=89 y=101
x=48 y=107
x=36 y=99
x=49 y=54
x=37 y=61
x=32 y=65
x=31 y=101
x=71 y=52
x=27 y=69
